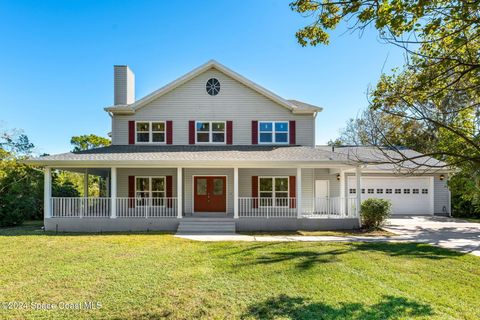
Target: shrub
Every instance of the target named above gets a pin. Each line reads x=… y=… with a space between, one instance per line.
x=374 y=212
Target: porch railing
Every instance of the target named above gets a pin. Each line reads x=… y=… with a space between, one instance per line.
x=249 y=207
x=146 y=207
x=76 y=207
x=326 y=208
x=331 y=207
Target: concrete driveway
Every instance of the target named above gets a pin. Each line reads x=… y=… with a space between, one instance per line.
x=445 y=232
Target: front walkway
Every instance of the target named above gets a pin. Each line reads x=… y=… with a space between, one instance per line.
x=444 y=232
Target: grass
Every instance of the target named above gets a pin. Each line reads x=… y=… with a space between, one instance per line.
x=476 y=220
x=336 y=233
x=154 y=276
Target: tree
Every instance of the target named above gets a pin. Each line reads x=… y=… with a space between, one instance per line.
x=439 y=87
x=21 y=186
x=436 y=93
x=88 y=141
x=96 y=185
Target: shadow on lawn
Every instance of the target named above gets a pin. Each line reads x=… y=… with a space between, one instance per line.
x=411 y=250
x=307 y=257
x=284 y=306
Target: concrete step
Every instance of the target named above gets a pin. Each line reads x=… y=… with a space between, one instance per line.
x=206 y=227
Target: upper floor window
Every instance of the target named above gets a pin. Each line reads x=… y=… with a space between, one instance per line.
x=150 y=131
x=210 y=131
x=273 y=131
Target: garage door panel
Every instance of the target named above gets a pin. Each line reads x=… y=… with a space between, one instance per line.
x=407 y=195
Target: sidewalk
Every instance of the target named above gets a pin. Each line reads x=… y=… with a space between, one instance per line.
x=443 y=232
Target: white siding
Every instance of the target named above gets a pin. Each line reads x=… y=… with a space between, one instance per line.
x=441 y=195
x=235 y=102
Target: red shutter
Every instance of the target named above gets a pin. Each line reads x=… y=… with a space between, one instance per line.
x=254 y=132
x=293 y=191
x=255 y=191
x=293 y=132
x=131 y=191
x=169 y=132
x=229 y=132
x=169 y=191
x=131 y=132
x=191 y=132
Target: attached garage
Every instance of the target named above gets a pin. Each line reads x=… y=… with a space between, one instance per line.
x=409 y=195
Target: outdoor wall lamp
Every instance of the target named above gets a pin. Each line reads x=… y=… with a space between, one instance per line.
x=338 y=177
x=442 y=177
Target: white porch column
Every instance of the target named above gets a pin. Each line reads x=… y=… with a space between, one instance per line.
x=113 y=190
x=358 y=176
x=85 y=184
x=47 y=192
x=299 y=193
x=107 y=186
x=179 y=193
x=235 y=193
x=343 y=200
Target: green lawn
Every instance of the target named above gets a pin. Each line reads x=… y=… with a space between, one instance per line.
x=151 y=276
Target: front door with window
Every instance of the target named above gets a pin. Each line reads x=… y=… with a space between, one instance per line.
x=210 y=194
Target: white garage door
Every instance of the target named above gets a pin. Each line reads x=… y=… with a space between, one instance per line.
x=412 y=195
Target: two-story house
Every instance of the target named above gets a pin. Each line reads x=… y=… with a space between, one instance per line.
x=214 y=152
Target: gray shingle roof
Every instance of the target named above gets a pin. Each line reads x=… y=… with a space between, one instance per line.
x=197 y=153
x=372 y=156
x=383 y=159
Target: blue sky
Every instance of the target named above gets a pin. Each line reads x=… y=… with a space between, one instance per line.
x=57 y=57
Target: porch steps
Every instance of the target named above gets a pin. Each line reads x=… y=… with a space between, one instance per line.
x=206 y=226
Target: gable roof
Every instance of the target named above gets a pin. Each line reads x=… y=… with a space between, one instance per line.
x=293 y=105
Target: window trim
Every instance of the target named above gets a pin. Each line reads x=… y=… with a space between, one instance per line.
x=150 y=132
x=150 y=190
x=274 y=198
x=210 y=132
x=273 y=132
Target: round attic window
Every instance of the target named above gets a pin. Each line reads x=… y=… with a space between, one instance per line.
x=213 y=86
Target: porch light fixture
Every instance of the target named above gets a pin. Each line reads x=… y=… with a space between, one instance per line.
x=338 y=177
x=442 y=177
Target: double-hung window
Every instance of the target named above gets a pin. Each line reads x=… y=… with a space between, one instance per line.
x=273 y=191
x=150 y=132
x=150 y=191
x=210 y=131
x=273 y=132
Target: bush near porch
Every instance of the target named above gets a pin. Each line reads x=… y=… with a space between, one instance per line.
x=374 y=212
x=151 y=276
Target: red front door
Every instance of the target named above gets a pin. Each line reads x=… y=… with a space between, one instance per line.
x=210 y=194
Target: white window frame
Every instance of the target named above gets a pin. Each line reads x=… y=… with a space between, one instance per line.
x=273 y=132
x=211 y=132
x=274 y=198
x=150 y=191
x=151 y=132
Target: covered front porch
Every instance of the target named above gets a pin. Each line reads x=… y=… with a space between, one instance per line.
x=158 y=194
